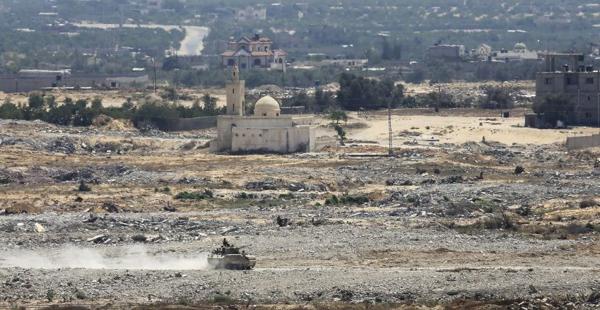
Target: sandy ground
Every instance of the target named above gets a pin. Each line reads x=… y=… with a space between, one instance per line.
x=459 y=129
x=117 y=97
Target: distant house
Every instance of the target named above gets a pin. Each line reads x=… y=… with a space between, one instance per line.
x=519 y=53
x=254 y=53
x=251 y=13
x=446 y=52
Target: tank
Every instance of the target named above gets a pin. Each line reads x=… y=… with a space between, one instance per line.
x=228 y=256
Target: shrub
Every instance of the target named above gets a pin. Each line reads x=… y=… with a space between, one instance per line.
x=50 y=295
x=347 y=199
x=206 y=194
x=84 y=187
x=587 y=203
x=519 y=170
x=9 y=110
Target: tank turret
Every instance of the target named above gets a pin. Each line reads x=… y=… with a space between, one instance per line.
x=228 y=256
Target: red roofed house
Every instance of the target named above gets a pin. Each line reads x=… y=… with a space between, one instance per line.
x=253 y=53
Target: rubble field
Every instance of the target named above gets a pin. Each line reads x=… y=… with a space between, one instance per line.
x=482 y=214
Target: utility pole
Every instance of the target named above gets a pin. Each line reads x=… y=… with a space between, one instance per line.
x=390 y=134
x=154 y=68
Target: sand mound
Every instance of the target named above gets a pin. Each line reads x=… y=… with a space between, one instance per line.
x=107 y=123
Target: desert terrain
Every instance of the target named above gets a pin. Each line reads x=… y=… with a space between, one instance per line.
x=473 y=211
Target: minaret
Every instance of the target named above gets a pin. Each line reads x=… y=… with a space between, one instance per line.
x=236 y=92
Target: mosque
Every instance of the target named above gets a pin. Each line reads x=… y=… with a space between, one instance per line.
x=266 y=131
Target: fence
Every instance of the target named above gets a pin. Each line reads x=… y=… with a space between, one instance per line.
x=184 y=124
x=574 y=143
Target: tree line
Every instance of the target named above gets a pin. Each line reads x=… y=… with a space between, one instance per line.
x=82 y=112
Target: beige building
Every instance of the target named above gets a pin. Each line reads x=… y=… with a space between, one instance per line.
x=266 y=131
x=254 y=53
x=568 y=76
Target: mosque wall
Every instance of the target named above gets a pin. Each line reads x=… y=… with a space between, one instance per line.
x=276 y=140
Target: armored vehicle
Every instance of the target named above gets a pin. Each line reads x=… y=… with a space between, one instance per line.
x=227 y=256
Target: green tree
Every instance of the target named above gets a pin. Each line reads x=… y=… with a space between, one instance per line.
x=336 y=116
x=9 y=110
x=323 y=100
x=497 y=97
x=210 y=104
x=358 y=92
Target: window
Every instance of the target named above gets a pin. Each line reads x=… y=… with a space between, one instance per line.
x=230 y=62
x=264 y=114
x=571 y=80
x=588 y=115
x=256 y=62
x=548 y=81
x=589 y=80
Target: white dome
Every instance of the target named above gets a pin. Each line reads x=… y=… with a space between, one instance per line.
x=267 y=106
x=520 y=46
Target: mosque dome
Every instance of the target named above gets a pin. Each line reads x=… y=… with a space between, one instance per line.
x=267 y=107
x=520 y=47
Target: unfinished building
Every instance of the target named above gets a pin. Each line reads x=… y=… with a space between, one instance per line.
x=567 y=76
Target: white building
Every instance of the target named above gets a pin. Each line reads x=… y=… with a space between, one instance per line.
x=266 y=131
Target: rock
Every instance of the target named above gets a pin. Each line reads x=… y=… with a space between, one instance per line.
x=98 y=239
x=91 y=219
x=283 y=222
x=169 y=208
x=532 y=290
x=519 y=170
x=453 y=179
x=64 y=145
x=153 y=238
x=594 y=298
x=110 y=207
x=139 y=238
x=39 y=228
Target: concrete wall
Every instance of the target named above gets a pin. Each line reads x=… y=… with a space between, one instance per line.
x=13 y=83
x=574 y=143
x=185 y=124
